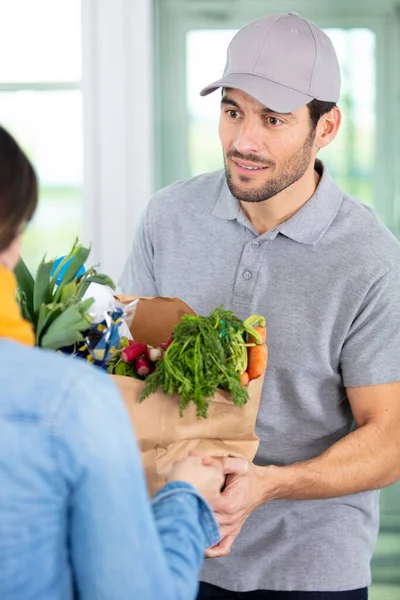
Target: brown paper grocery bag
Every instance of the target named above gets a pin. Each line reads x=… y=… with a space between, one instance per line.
x=163 y=435
x=155 y=318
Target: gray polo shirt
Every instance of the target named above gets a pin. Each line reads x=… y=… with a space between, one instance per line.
x=328 y=282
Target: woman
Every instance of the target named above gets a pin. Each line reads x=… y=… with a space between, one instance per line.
x=75 y=518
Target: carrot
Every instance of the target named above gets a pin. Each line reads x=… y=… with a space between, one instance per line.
x=257 y=360
x=244 y=378
x=262 y=331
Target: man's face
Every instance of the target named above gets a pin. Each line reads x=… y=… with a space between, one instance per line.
x=264 y=152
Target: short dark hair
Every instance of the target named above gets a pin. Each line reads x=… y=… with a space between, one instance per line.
x=317 y=108
x=18 y=189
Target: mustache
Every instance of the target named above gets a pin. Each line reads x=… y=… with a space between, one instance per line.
x=251 y=158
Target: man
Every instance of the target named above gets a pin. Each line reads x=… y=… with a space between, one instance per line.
x=273 y=234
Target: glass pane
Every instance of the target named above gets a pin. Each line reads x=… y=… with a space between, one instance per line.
x=48 y=125
x=40 y=40
x=205 y=60
x=350 y=157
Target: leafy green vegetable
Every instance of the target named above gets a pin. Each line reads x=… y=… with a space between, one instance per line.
x=116 y=366
x=25 y=290
x=66 y=329
x=41 y=290
x=77 y=259
x=47 y=314
x=57 y=312
x=202 y=357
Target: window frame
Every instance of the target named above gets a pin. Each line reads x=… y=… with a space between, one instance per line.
x=118 y=118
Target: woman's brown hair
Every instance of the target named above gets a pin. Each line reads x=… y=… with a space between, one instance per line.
x=18 y=189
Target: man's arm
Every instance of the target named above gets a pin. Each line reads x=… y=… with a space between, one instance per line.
x=368 y=458
x=138 y=274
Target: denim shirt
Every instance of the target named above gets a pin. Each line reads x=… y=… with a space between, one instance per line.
x=75 y=517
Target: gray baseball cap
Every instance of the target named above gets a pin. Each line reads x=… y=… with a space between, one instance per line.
x=283 y=61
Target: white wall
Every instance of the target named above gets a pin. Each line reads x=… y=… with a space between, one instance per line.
x=117 y=84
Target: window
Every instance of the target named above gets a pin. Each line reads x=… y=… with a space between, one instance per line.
x=41 y=105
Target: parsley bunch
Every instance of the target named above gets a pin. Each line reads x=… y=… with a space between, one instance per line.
x=202 y=358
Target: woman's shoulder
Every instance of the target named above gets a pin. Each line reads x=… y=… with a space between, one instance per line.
x=37 y=383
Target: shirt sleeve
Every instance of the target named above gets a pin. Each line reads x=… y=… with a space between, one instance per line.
x=137 y=277
x=371 y=352
x=122 y=545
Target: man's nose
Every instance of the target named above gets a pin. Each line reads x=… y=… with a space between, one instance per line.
x=249 y=139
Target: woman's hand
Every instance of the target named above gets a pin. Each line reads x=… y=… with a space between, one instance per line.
x=203 y=473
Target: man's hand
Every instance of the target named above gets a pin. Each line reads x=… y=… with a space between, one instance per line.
x=242 y=494
x=365 y=459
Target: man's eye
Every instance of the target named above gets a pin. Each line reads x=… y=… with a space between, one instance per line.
x=274 y=121
x=232 y=114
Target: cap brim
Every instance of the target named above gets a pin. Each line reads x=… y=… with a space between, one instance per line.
x=275 y=96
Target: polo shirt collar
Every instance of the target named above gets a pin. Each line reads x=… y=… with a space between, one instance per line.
x=309 y=223
x=227 y=206
x=313 y=219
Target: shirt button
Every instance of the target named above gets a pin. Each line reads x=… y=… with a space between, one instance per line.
x=247 y=275
x=256 y=245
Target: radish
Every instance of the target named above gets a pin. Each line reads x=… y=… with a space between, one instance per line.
x=164 y=345
x=142 y=366
x=132 y=351
x=153 y=354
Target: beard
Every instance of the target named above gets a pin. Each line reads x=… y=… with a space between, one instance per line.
x=292 y=169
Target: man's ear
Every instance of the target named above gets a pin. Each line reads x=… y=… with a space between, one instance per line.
x=328 y=127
